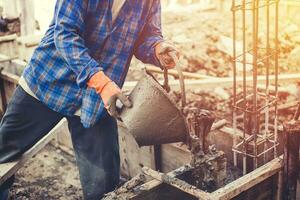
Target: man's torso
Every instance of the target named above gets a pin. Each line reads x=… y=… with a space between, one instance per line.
x=116 y=7
x=110 y=44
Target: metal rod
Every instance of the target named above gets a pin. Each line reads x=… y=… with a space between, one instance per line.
x=255 y=130
x=234 y=80
x=266 y=132
x=244 y=87
x=276 y=76
x=181 y=79
x=254 y=104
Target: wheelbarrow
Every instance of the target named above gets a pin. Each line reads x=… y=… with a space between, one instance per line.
x=154 y=118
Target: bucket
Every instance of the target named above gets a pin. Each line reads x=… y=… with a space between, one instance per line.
x=154 y=118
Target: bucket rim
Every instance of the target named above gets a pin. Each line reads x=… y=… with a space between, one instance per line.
x=158 y=86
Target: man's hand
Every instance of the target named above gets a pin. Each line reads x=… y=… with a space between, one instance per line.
x=109 y=93
x=163 y=52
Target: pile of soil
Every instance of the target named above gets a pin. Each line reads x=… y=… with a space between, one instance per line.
x=204 y=39
x=51 y=174
x=219 y=101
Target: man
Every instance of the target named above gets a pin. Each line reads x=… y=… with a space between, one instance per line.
x=81 y=63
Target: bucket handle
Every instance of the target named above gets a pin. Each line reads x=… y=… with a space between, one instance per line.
x=181 y=79
x=166 y=85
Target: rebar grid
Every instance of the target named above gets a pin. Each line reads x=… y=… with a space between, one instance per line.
x=250 y=103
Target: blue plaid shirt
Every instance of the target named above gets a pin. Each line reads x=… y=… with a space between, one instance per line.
x=82 y=40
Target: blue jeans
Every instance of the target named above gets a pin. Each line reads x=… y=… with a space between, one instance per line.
x=27 y=120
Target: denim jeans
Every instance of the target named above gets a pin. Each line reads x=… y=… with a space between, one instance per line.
x=27 y=120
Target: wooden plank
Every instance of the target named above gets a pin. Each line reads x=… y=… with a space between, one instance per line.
x=30 y=40
x=174 y=73
x=12 y=78
x=9 y=169
x=6 y=75
x=133 y=157
x=249 y=180
x=224 y=82
x=14 y=60
x=155 y=183
x=173 y=156
x=278 y=195
x=219 y=124
x=8 y=59
x=177 y=183
x=8 y=38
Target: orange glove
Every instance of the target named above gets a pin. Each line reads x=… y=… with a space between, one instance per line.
x=163 y=53
x=109 y=92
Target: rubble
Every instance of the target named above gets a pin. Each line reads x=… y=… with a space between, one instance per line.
x=204 y=41
x=218 y=102
x=49 y=175
x=9 y=27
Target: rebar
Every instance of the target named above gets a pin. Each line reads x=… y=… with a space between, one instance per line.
x=251 y=103
x=234 y=80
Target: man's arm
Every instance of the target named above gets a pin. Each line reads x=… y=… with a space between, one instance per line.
x=150 y=36
x=68 y=38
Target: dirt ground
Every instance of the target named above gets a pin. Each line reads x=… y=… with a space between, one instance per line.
x=51 y=174
x=204 y=38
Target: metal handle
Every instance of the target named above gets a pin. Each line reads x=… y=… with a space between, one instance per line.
x=166 y=80
x=181 y=78
x=166 y=85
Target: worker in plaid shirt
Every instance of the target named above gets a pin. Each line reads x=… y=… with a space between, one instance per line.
x=81 y=64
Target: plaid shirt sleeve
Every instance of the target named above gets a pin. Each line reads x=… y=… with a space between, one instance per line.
x=150 y=36
x=68 y=36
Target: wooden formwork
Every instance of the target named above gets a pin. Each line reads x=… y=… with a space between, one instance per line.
x=8 y=45
x=146 y=155
x=263 y=183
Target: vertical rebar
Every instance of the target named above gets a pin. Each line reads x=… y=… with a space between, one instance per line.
x=276 y=79
x=267 y=77
x=255 y=6
x=244 y=88
x=234 y=80
x=254 y=104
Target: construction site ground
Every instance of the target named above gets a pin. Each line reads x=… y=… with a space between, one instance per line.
x=52 y=174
